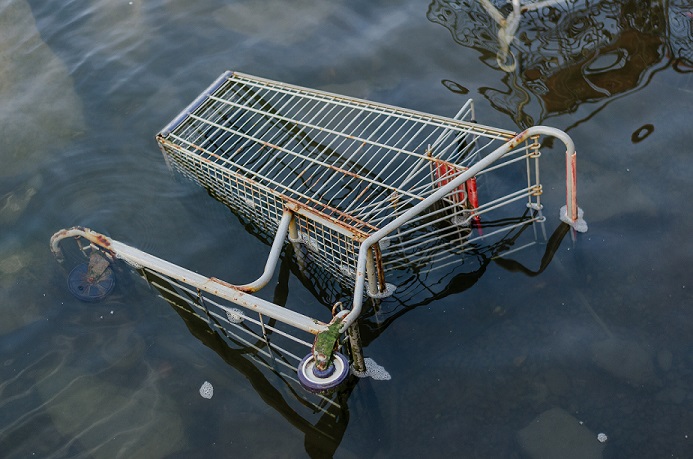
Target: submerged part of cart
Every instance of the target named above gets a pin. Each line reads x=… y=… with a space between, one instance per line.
x=360 y=189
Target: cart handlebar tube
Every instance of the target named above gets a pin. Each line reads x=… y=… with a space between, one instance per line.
x=571 y=214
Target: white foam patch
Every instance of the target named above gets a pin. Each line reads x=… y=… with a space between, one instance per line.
x=235 y=315
x=580 y=224
x=207 y=391
x=373 y=370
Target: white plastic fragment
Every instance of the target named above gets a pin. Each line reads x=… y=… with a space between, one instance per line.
x=207 y=391
x=373 y=370
x=602 y=438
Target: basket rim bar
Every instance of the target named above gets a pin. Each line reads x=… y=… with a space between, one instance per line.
x=477 y=128
x=392 y=110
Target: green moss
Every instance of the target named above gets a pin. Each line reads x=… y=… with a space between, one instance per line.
x=325 y=341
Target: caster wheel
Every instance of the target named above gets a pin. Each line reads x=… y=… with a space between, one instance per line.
x=318 y=381
x=90 y=290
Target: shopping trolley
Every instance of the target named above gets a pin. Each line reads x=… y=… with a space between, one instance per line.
x=359 y=189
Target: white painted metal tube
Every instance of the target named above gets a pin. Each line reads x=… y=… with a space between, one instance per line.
x=219 y=288
x=270 y=265
x=212 y=285
x=273 y=257
x=443 y=191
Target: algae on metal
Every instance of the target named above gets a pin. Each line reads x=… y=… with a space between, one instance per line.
x=325 y=343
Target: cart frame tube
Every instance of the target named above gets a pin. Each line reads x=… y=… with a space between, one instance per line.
x=572 y=211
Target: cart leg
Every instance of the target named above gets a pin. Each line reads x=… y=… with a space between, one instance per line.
x=373 y=289
x=296 y=243
x=357 y=361
x=377 y=287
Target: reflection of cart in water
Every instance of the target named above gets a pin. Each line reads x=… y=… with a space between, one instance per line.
x=559 y=54
x=360 y=189
x=321 y=418
x=422 y=287
x=507 y=21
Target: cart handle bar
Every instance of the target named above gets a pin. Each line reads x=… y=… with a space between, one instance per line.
x=570 y=214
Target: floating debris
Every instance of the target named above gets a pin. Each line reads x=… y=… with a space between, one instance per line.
x=207 y=391
x=602 y=438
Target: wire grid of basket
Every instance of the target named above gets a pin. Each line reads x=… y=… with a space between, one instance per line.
x=347 y=166
x=266 y=342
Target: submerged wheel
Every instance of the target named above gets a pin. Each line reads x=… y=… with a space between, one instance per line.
x=90 y=290
x=315 y=380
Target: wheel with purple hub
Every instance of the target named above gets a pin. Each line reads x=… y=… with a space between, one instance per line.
x=90 y=290
x=316 y=380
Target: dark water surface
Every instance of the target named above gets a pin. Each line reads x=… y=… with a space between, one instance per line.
x=598 y=342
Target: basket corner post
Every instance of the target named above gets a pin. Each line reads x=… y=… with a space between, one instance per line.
x=571 y=213
x=357 y=361
x=375 y=275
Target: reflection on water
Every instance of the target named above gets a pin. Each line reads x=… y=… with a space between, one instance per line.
x=321 y=418
x=291 y=25
x=570 y=52
x=594 y=334
x=40 y=113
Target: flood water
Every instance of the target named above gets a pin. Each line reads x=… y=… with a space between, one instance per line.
x=517 y=358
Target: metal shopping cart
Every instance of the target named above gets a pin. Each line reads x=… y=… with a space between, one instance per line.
x=361 y=190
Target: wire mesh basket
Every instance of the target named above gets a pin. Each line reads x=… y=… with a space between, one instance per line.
x=359 y=188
